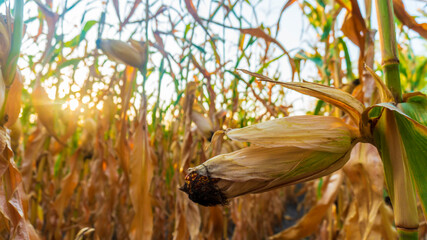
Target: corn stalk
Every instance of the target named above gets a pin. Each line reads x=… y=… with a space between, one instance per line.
x=388 y=138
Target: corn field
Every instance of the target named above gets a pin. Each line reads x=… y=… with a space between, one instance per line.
x=198 y=119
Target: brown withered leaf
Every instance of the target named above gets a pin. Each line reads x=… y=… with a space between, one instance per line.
x=33 y=150
x=140 y=176
x=186 y=151
x=354 y=26
x=259 y=33
x=117 y=8
x=180 y=230
x=408 y=20
x=10 y=198
x=192 y=10
x=132 y=11
x=349 y=28
x=351 y=228
x=365 y=174
x=188 y=218
x=310 y=222
x=385 y=94
x=68 y=184
x=160 y=44
x=187 y=213
x=122 y=145
x=202 y=70
x=13 y=102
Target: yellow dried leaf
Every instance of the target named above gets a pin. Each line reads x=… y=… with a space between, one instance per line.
x=385 y=94
x=13 y=102
x=140 y=175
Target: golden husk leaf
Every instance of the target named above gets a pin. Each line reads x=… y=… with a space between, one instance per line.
x=322 y=133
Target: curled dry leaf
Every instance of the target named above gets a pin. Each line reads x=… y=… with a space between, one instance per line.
x=352 y=27
x=13 y=102
x=386 y=95
x=10 y=198
x=408 y=20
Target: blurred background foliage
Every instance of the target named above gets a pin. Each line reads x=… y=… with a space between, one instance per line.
x=103 y=147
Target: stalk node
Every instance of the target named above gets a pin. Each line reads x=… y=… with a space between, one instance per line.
x=390 y=62
x=407 y=229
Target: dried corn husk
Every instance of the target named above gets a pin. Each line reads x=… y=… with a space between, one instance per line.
x=283 y=152
x=123 y=52
x=323 y=133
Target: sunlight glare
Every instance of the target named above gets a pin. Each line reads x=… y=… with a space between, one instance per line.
x=74 y=104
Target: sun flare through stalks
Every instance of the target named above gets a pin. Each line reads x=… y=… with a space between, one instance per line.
x=283 y=151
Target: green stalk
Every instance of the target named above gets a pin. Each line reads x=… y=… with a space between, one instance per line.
x=390 y=59
x=388 y=139
x=15 y=47
x=10 y=69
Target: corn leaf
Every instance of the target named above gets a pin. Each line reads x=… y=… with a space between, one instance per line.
x=416 y=107
x=414 y=138
x=385 y=93
x=408 y=20
x=337 y=97
x=141 y=174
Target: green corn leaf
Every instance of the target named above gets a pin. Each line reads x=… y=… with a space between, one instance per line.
x=414 y=138
x=416 y=107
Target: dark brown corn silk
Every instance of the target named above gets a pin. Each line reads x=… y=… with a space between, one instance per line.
x=203 y=190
